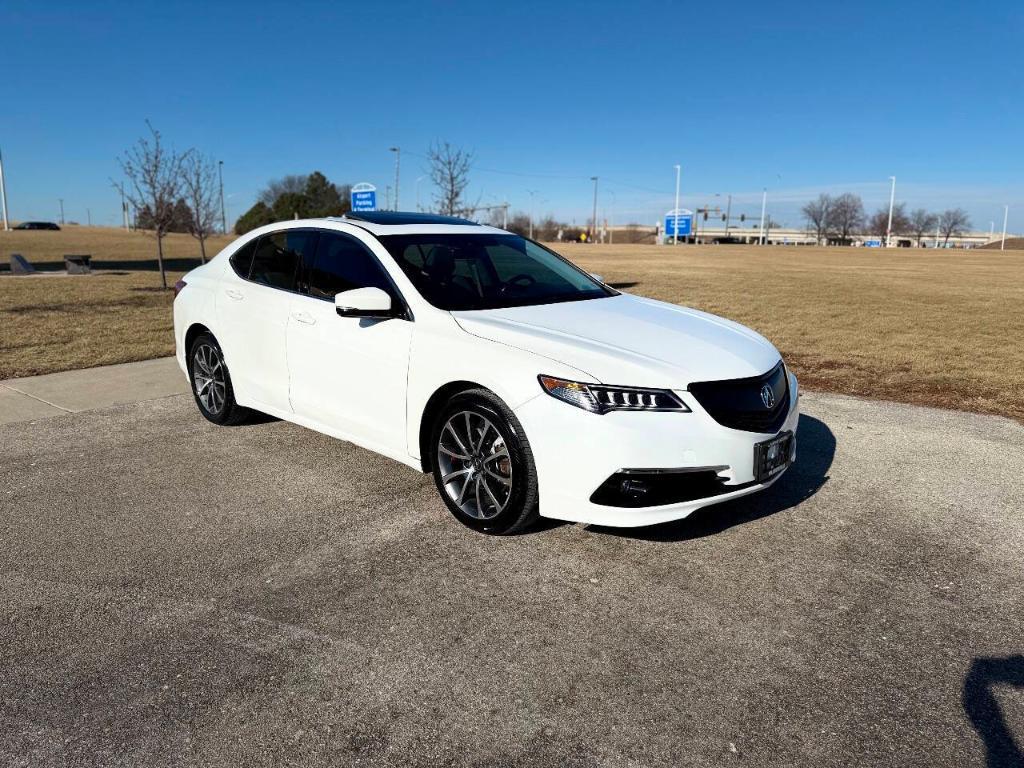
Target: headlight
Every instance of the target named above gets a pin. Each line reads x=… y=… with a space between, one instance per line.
x=599 y=398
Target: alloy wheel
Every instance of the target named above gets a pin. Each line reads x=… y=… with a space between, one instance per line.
x=209 y=377
x=476 y=469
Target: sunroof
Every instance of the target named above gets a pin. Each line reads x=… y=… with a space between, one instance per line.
x=404 y=217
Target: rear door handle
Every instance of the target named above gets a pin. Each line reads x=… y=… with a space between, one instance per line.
x=232 y=293
x=304 y=317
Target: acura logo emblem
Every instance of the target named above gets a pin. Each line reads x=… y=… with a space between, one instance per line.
x=767 y=396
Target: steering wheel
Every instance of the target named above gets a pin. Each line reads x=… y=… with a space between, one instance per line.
x=521 y=280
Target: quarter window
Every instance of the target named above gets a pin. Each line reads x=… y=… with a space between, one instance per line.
x=241 y=260
x=343 y=263
x=279 y=255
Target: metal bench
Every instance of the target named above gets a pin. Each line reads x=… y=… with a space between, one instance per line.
x=78 y=263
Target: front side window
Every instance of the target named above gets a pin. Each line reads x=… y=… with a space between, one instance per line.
x=341 y=264
x=278 y=256
x=485 y=271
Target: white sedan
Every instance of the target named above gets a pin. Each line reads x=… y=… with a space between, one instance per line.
x=525 y=385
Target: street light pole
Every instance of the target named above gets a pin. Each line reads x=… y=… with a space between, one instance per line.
x=398 y=160
x=3 y=194
x=675 y=211
x=593 y=220
x=223 y=210
x=61 y=200
x=1006 y=216
x=728 y=213
x=892 y=200
x=764 y=207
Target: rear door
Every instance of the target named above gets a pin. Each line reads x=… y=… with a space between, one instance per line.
x=348 y=374
x=252 y=310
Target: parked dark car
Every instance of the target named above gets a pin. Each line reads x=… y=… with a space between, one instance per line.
x=37 y=225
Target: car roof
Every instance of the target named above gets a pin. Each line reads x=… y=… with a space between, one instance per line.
x=405 y=217
x=382 y=223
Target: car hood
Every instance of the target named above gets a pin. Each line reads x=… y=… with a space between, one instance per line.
x=629 y=340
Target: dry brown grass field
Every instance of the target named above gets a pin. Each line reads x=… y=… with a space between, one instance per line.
x=936 y=328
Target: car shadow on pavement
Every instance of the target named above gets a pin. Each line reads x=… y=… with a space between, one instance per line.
x=983 y=709
x=816 y=447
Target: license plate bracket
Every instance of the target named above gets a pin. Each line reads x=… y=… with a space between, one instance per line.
x=772 y=456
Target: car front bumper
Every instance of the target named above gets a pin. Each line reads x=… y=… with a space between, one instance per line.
x=576 y=451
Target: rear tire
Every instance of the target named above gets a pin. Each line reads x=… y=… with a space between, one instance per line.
x=211 y=383
x=483 y=466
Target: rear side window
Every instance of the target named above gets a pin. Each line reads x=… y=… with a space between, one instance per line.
x=241 y=260
x=343 y=263
x=278 y=256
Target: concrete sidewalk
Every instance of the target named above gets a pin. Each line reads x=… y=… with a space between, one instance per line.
x=54 y=394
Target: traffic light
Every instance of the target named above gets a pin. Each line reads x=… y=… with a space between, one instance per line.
x=723 y=217
x=743 y=217
x=705 y=214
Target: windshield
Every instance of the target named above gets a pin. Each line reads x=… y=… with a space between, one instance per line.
x=489 y=271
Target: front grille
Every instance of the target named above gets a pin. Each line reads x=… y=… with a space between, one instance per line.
x=738 y=403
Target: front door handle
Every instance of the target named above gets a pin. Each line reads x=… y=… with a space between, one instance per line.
x=236 y=295
x=304 y=317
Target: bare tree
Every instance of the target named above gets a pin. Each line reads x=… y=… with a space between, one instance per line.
x=199 y=185
x=920 y=222
x=878 y=224
x=294 y=184
x=953 y=222
x=449 y=170
x=154 y=175
x=817 y=213
x=846 y=216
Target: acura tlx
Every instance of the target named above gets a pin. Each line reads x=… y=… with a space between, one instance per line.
x=525 y=385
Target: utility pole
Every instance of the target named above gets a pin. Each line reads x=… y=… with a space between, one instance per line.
x=61 y=200
x=124 y=207
x=398 y=160
x=223 y=211
x=88 y=217
x=504 y=215
x=418 y=180
x=892 y=200
x=1006 y=216
x=675 y=211
x=593 y=220
x=728 y=213
x=531 y=192
x=3 y=194
x=764 y=207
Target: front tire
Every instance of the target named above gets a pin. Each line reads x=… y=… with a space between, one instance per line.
x=483 y=466
x=211 y=383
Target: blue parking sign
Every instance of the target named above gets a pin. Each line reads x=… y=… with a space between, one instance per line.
x=364 y=197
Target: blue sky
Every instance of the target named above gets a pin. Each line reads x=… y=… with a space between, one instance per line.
x=795 y=97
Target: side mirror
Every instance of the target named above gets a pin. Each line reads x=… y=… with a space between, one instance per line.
x=364 y=302
x=597 y=277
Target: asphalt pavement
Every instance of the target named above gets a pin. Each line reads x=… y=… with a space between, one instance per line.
x=175 y=593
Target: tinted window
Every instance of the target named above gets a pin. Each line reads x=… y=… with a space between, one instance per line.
x=278 y=256
x=343 y=263
x=489 y=271
x=241 y=260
